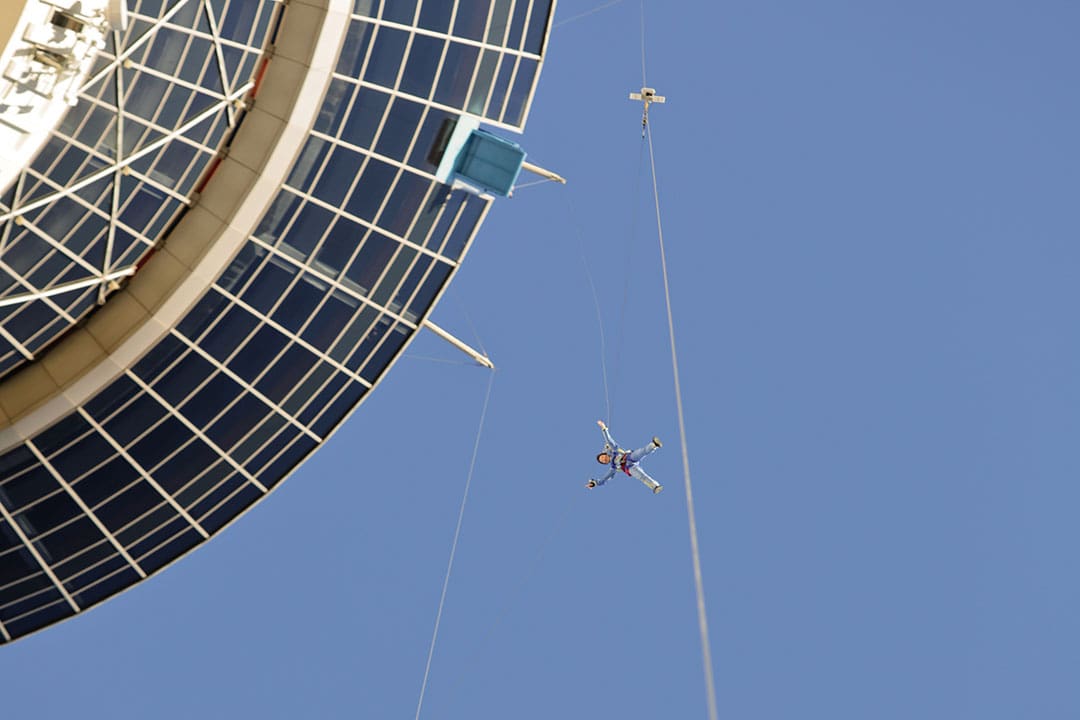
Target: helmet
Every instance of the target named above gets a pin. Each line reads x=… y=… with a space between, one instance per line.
x=604 y=458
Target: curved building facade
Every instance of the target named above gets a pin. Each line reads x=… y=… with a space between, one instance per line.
x=215 y=255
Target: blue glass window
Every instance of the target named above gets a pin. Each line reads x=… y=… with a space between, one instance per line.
x=363 y=121
x=456 y=74
x=424 y=56
x=471 y=19
x=371 y=190
x=106 y=481
x=399 y=11
x=286 y=373
x=386 y=56
x=397 y=133
x=351 y=59
x=371 y=261
x=230 y=332
x=178 y=383
x=338 y=175
x=211 y=400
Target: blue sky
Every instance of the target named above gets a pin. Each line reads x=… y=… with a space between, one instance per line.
x=870 y=217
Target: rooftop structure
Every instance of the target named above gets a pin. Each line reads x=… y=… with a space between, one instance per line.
x=210 y=259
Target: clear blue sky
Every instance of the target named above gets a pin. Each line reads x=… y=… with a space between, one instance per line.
x=870 y=211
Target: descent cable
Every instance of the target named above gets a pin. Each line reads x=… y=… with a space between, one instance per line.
x=453 y=547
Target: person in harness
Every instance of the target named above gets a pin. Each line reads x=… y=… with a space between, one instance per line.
x=619 y=460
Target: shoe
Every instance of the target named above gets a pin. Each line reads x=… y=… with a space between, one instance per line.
x=656 y=490
x=656 y=442
x=590 y=484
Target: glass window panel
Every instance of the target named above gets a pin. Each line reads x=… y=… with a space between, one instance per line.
x=61 y=434
x=136 y=419
x=27 y=252
x=371 y=190
x=300 y=304
x=32 y=584
x=517 y=24
x=274 y=221
x=337 y=310
x=238 y=20
x=44 y=516
x=16 y=461
x=284 y=463
x=424 y=56
x=322 y=399
x=466 y=225
x=286 y=373
x=500 y=16
x=435 y=15
x=70 y=539
x=523 y=83
x=206 y=311
x=406 y=199
x=89 y=555
x=306 y=232
x=152 y=529
x=334 y=106
x=385 y=353
x=77 y=460
x=457 y=72
x=431 y=286
x=269 y=428
x=215 y=496
x=340 y=244
x=47 y=155
x=170 y=551
x=351 y=59
x=338 y=175
x=203 y=483
x=160 y=442
x=386 y=56
x=211 y=400
x=482 y=85
x=371 y=261
x=185 y=465
x=112 y=398
x=179 y=382
x=399 y=11
x=49 y=613
x=261 y=349
x=29 y=487
x=230 y=508
x=364 y=119
x=534 y=39
x=237 y=324
x=412 y=280
x=106 y=481
x=303 y=392
x=397 y=133
x=502 y=83
x=303 y=172
x=161 y=356
x=472 y=19
x=237 y=421
x=361 y=353
x=394 y=275
x=339 y=408
x=21 y=568
x=138 y=499
x=145 y=94
x=108 y=584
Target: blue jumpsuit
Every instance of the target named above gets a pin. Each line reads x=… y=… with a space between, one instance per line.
x=627 y=461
